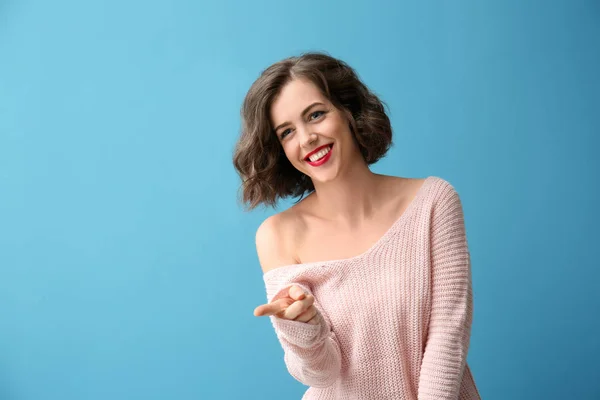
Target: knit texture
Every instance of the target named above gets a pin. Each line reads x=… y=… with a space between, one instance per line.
x=394 y=321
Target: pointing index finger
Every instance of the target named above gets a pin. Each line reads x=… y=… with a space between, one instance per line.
x=272 y=308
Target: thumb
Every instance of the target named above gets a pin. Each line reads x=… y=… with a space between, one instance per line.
x=296 y=293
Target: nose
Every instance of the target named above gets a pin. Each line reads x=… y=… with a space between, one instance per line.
x=307 y=137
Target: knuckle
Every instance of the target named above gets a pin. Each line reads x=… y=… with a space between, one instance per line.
x=292 y=311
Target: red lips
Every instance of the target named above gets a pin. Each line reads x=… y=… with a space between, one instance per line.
x=316 y=151
x=323 y=160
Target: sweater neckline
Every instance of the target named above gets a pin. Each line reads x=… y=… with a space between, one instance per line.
x=383 y=239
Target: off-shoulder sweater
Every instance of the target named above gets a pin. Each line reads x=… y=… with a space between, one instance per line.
x=394 y=321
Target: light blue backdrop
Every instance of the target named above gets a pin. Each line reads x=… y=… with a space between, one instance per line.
x=127 y=267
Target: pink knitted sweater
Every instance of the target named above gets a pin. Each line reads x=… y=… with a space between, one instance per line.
x=395 y=321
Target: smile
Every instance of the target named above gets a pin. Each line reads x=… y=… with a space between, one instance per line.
x=319 y=156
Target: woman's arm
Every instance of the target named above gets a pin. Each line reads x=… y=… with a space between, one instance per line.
x=311 y=351
x=451 y=316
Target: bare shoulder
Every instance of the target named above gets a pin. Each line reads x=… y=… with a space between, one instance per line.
x=415 y=185
x=274 y=241
x=404 y=189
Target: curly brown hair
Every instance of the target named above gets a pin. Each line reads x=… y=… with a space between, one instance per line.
x=266 y=173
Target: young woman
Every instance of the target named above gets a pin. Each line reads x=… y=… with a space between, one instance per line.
x=367 y=276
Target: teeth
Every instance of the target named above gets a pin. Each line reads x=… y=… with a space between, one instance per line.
x=319 y=155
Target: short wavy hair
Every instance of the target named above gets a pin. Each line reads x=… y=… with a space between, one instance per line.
x=266 y=173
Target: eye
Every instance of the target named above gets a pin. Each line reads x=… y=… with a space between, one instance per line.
x=317 y=113
x=284 y=133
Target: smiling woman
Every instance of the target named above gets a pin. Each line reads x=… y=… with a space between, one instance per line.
x=368 y=278
x=308 y=136
x=330 y=93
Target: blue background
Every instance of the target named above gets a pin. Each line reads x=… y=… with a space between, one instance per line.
x=127 y=265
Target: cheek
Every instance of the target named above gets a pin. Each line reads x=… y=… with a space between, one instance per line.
x=335 y=126
x=290 y=153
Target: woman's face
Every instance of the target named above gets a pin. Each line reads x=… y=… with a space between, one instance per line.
x=315 y=136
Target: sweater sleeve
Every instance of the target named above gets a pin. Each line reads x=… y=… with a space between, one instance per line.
x=449 y=328
x=311 y=352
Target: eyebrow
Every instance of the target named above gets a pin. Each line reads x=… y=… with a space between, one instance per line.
x=303 y=113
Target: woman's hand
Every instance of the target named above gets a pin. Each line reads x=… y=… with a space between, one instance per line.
x=297 y=306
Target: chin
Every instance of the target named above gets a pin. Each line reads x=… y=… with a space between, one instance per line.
x=324 y=178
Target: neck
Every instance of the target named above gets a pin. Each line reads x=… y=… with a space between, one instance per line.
x=351 y=198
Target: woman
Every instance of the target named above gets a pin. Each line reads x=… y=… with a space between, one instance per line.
x=368 y=277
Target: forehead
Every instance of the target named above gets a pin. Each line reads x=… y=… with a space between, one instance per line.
x=293 y=98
